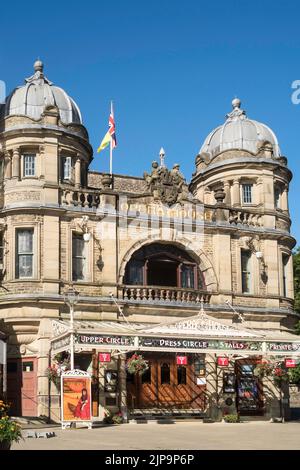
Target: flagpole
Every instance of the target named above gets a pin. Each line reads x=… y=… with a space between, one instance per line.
x=111 y=148
x=110 y=157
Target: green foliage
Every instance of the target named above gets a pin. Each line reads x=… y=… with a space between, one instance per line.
x=296 y=261
x=111 y=418
x=136 y=364
x=231 y=419
x=9 y=430
x=294 y=375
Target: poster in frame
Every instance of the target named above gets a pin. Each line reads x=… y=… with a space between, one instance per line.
x=76 y=399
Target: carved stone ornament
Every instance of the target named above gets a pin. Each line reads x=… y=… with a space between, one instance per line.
x=166 y=185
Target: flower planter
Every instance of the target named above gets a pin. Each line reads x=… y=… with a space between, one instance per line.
x=5 y=445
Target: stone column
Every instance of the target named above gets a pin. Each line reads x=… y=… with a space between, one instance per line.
x=16 y=164
x=7 y=160
x=207 y=196
x=77 y=173
x=236 y=198
x=284 y=199
x=226 y=188
x=260 y=191
x=123 y=388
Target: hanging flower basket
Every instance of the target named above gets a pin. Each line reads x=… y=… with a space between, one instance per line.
x=61 y=363
x=136 y=364
x=272 y=369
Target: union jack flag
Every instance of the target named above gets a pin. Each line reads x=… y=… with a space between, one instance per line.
x=112 y=128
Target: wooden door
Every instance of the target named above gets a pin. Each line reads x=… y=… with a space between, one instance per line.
x=182 y=385
x=14 y=383
x=29 y=386
x=148 y=391
x=166 y=381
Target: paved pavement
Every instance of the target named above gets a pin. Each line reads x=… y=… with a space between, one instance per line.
x=186 y=435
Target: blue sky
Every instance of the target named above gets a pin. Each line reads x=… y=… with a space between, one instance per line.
x=172 y=68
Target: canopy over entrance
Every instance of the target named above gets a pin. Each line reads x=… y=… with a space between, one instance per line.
x=199 y=333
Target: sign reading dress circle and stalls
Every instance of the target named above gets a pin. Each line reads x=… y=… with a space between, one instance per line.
x=190 y=344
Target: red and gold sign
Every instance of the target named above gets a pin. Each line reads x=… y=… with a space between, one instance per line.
x=104 y=357
x=223 y=361
x=181 y=360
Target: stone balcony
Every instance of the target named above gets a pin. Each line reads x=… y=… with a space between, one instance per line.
x=84 y=198
x=245 y=217
x=160 y=294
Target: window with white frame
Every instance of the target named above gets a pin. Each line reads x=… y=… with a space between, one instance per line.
x=285 y=260
x=247 y=195
x=1 y=169
x=24 y=253
x=277 y=193
x=246 y=271
x=79 y=258
x=1 y=249
x=67 y=168
x=29 y=164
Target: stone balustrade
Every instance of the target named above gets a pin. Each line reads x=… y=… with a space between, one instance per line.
x=85 y=198
x=243 y=217
x=164 y=294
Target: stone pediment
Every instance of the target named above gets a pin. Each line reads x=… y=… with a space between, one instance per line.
x=200 y=325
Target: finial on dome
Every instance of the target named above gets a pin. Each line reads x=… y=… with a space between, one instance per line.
x=38 y=66
x=236 y=103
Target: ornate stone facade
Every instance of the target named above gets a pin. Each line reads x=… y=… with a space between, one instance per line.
x=207 y=220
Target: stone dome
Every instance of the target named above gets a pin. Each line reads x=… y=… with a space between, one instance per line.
x=37 y=93
x=239 y=132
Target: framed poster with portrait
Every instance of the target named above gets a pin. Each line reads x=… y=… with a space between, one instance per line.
x=76 y=399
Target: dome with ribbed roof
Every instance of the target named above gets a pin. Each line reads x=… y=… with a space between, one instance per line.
x=38 y=92
x=239 y=132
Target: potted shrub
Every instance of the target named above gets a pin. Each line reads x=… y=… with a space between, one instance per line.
x=110 y=418
x=10 y=431
x=231 y=418
x=136 y=364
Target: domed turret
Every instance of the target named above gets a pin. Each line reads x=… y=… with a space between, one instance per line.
x=37 y=93
x=239 y=132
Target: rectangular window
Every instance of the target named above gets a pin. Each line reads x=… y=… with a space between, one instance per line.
x=277 y=197
x=135 y=273
x=247 y=193
x=1 y=170
x=181 y=375
x=246 y=271
x=187 y=276
x=78 y=257
x=24 y=251
x=29 y=165
x=67 y=168
x=1 y=249
x=285 y=260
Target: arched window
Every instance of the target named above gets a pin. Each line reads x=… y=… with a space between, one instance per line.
x=160 y=264
x=165 y=375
